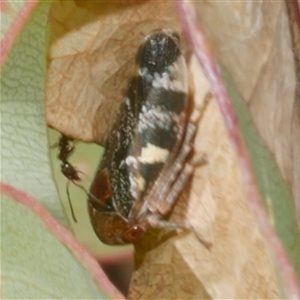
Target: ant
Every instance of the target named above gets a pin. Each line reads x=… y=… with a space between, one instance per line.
x=67 y=169
x=66 y=148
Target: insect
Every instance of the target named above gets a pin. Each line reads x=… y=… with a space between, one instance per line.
x=144 y=168
x=65 y=150
x=67 y=169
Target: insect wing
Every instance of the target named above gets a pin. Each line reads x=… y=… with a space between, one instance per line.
x=111 y=183
x=162 y=90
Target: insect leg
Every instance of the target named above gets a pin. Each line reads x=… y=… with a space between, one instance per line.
x=157 y=223
x=69 y=200
x=177 y=168
x=174 y=171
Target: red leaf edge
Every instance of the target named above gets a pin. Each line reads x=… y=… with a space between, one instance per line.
x=16 y=27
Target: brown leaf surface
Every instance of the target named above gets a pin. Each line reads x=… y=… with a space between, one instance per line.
x=252 y=40
x=93 y=46
x=294 y=21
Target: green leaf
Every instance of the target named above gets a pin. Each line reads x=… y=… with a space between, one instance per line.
x=34 y=264
x=24 y=150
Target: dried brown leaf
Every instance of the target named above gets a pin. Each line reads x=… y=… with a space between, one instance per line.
x=93 y=46
x=252 y=40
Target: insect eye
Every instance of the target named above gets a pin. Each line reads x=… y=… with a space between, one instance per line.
x=135 y=233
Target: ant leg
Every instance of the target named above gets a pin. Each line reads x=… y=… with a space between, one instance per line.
x=69 y=200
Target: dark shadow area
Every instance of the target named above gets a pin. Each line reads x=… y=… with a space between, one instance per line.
x=119 y=274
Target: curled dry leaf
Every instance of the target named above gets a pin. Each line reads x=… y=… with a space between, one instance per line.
x=252 y=40
x=238 y=264
x=93 y=46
